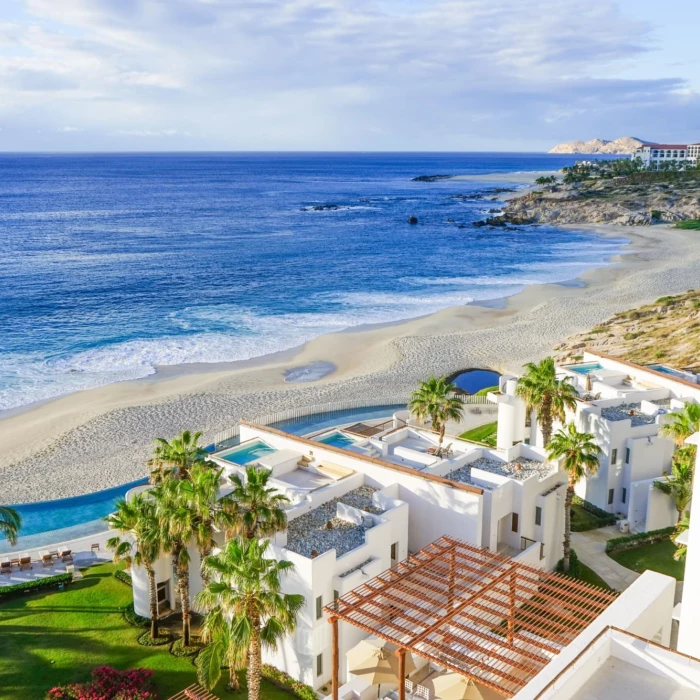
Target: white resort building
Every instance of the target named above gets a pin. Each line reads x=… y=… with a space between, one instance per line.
x=653 y=155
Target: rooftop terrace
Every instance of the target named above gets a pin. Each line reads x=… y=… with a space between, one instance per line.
x=310 y=531
x=632 y=411
x=518 y=469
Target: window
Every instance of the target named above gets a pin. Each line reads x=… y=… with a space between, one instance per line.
x=624 y=495
x=394 y=551
x=319 y=607
x=514 y=522
x=319 y=665
x=613 y=457
x=628 y=454
x=538 y=515
x=611 y=496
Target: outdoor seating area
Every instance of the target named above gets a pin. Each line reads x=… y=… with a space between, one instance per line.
x=24 y=562
x=194 y=692
x=31 y=566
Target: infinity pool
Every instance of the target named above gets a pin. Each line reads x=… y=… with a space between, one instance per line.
x=248 y=452
x=586 y=368
x=337 y=439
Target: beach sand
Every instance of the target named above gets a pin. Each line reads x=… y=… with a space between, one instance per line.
x=100 y=438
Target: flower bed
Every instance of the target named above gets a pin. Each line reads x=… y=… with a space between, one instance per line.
x=108 y=684
x=641 y=538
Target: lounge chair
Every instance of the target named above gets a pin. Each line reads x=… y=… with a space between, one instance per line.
x=5 y=566
x=25 y=562
x=46 y=559
x=65 y=555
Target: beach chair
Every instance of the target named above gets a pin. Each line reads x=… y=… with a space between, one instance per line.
x=46 y=559
x=25 y=562
x=65 y=555
x=194 y=692
x=5 y=566
x=95 y=548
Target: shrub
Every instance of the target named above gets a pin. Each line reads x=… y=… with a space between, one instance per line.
x=283 y=680
x=37 y=585
x=124 y=577
x=574 y=564
x=607 y=518
x=177 y=648
x=164 y=637
x=689 y=224
x=109 y=684
x=133 y=619
x=641 y=538
x=656 y=214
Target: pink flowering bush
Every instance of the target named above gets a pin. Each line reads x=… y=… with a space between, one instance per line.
x=109 y=684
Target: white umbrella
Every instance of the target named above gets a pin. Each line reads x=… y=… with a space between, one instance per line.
x=453 y=686
x=376 y=661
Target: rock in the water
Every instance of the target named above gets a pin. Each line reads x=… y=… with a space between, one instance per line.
x=412 y=219
x=430 y=178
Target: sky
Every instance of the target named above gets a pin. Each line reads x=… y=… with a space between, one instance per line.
x=367 y=75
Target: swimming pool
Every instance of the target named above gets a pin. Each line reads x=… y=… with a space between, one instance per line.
x=474 y=380
x=586 y=368
x=248 y=452
x=679 y=374
x=337 y=439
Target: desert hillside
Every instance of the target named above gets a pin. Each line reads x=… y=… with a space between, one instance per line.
x=625 y=144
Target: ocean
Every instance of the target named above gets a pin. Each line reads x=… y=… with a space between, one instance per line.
x=112 y=265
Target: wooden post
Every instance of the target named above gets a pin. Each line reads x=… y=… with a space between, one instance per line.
x=511 y=618
x=334 y=670
x=401 y=653
x=451 y=584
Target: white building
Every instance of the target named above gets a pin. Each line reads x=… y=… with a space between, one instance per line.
x=624 y=406
x=385 y=494
x=653 y=155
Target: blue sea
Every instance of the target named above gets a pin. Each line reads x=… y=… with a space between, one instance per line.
x=112 y=265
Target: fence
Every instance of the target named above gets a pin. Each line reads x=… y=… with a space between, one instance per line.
x=330 y=409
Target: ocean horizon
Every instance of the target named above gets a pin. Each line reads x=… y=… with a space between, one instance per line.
x=114 y=264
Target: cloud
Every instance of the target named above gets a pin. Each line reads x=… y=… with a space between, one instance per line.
x=337 y=74
x=69 y=129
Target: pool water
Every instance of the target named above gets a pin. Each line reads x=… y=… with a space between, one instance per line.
x=249 y=452
x=672 y=372
x=586 y=368
x=475 y=380
x=337 y=439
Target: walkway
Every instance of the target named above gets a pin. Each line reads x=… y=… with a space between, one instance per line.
x=590 y=547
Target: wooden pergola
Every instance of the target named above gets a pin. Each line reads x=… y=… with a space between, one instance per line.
x=486 y=617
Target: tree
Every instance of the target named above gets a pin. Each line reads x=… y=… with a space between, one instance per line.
x=547 y=395
x=10 y=524
x=175 y=458
x=137 y=519
x=682 y=423
x=579 y=456
x=681 y=527
x=679 y=485
x=432 y=400
x=257 y=508
x=246 y=588
x=221 y=650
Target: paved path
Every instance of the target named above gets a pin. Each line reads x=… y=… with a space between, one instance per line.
x=590 y=547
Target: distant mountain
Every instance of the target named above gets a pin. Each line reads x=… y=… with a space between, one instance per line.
x=625 y=144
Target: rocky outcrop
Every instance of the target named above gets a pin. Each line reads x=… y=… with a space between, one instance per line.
x=431 y=178
x=622 y=201
x=625 y=144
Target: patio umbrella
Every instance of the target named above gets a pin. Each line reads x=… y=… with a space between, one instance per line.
x=375 y=660
x=589 y=386
x=452 y=686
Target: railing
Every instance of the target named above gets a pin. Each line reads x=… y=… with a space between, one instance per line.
x=526 y=542
x=330 y=408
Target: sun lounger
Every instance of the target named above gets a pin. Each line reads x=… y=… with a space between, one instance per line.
x=65 y=555
x=25 y=562
x=5 y=566
x=46 y=559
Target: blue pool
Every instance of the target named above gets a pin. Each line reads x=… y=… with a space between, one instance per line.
x=679 y=374
x=67 y=518
x=337 y=439
x=586 y=368
x=474 y=380
x=248 y=452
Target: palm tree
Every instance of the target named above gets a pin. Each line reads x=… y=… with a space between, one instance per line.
x=137 y=519
x=679 y=485
x=579 y=455
x=247 y=588
x=681 y=527
x=175 y=458
x=221 y=650
x=432 y=400
x=544 y=393
x=683 y=423
x=256 y=507
x=10 y=524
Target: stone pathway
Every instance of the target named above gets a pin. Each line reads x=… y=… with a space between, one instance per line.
x=590 y=547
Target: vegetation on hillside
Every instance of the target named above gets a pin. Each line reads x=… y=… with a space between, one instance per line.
x=667 y=332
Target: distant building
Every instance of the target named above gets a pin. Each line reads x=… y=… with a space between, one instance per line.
x=653 y=154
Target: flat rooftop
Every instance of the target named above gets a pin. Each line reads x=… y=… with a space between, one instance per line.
x=619 y=679
x=518 y=469
x=632 y=412
x=310 y=531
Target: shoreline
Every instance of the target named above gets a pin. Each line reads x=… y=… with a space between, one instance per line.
x=99 y=438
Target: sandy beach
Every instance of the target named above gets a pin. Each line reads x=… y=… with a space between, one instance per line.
x=100 y=438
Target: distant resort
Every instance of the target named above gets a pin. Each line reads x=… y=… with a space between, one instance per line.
x=445 y=565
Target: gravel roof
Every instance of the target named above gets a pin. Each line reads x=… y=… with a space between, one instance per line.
x=622 y=412
x=309 y=531
x=528 y=468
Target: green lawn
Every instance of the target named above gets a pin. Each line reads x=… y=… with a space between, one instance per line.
x=51 y=638
x=657 y=557
x=589 y=576
x=484 y=433
x=581 y=519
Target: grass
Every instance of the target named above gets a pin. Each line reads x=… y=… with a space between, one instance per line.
x=657 y=557
x=585 y=573
x=692 y=224
x=484 y=433
x=582 y=520
x=47 y=639
x=486 y=390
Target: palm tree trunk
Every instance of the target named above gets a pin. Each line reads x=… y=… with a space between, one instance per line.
x=153 y=600
x=545 y=420
x=184 y=578
x=255 y=659
x=567 y=526
x=442 y=436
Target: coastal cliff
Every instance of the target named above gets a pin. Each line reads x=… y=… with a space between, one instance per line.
x=621 y=146
x=641 y=199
